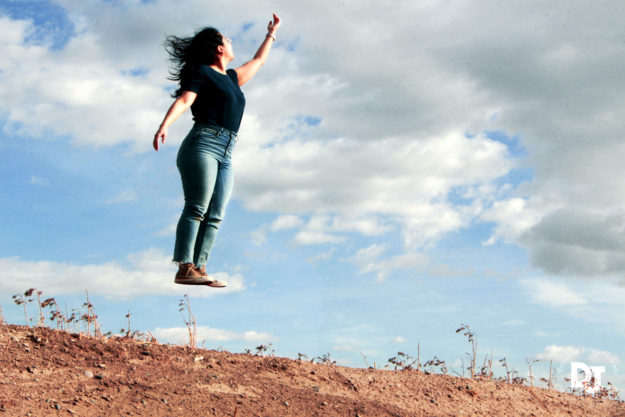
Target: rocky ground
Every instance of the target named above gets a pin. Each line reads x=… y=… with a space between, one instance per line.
x=45 y=372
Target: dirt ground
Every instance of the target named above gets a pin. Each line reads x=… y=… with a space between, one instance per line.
x=45 y=372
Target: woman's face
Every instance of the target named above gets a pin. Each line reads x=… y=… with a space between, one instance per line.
x=227 y=48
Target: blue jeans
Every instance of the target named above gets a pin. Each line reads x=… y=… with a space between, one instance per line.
x=207 y=179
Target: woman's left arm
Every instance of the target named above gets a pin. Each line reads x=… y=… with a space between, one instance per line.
x=246 y=71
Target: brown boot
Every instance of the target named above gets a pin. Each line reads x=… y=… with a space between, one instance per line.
x=188 y=274
x=215 y=283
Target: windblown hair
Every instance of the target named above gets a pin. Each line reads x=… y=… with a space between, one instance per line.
x=187 y=54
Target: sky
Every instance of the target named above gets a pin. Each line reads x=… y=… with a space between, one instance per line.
x=403 y=168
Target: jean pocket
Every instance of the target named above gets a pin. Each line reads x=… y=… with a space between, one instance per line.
x=208 y=131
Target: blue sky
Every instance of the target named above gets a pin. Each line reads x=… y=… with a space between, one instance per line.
x=388 y=188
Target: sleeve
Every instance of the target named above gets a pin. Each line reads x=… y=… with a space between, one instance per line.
x=194 y=81
x=233 y=76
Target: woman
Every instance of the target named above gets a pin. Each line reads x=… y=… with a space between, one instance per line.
x=204 y=158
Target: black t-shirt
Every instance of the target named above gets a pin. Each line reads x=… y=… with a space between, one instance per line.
x=219 y=100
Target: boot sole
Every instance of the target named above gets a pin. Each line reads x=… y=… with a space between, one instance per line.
x=194 y=281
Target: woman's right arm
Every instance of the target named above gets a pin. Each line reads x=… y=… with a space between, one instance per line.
x=179 y=106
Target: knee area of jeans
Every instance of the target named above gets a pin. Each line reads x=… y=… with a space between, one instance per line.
x=214 y=221
x=195 y=211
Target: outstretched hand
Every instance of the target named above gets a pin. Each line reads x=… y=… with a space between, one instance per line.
x=272 y=27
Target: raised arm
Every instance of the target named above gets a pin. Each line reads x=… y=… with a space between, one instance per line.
x=246 y=71
x=178 y=107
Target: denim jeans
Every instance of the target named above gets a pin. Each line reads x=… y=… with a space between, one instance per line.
x=207 y=179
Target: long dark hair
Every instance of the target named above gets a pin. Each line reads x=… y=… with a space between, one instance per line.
x=189 y=53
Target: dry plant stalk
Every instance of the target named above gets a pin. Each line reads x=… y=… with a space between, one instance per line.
x=190 y=321
x=127 y=330
x=486 y=372
x=419 y=356
x=508 y=373
x=42 y=319
x=473 y=339
x=19 y=300
x=55 y=315
x=91 y=317
x=529 y=364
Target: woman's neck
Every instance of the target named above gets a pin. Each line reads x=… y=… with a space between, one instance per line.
x=219 y=65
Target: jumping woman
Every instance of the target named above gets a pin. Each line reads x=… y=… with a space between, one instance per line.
x=204 y=159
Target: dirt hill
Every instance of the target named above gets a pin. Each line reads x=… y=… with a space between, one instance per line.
x=46 y=372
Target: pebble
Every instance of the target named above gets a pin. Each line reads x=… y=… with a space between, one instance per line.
x=286 y=403
x=57 y=406
x=198 y=358
x=88 y=374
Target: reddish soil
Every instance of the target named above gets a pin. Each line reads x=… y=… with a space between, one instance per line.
x=45 y=372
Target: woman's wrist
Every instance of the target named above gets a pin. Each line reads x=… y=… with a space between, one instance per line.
x=270 y=35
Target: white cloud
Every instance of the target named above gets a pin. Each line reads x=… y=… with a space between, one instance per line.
x=123 y=197
x=306 y=237
x=368 y=260
x=323 y=256
x=44 y=182
x=180 y=335
x=285 y=222
x=560 y=353
x=601 y=302
x=78 y=91
x=397 y=340
x=342 y=348
x=512 y=217
x=149 y=272
x=259 y=236
x=603 y=357
x=586 y=354
x=347 y=187
x=169 y=230
x=553 y=294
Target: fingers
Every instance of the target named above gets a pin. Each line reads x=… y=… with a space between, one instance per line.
x=157 y=136
x=276 y=20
